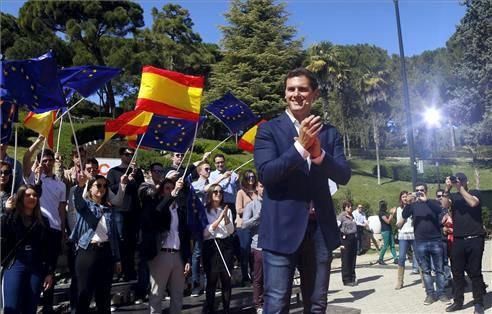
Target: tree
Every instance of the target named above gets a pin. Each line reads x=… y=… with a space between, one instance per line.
x=374 y=91
x=258 y=50
x=86 y=22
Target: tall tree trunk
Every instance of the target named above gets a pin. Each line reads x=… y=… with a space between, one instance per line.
x=110 y=103
x=477 y=176
x=348 y=147
x=453 y=138
x=376 y=142
x=324 y=102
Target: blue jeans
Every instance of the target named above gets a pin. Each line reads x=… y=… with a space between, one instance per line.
x=22 y=284
x=427 y=250
x=195 y=263
x=244 y=236
x=402 y=256
x=314 y=263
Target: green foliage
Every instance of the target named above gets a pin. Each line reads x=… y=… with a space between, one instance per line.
x=89 y=133
x=402 y=173
x=258 y=50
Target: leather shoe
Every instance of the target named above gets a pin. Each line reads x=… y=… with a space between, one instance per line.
x=454 y=307
x=350 y=284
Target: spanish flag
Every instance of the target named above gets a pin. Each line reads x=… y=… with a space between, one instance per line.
x=42 y=123
x=170 y=94
x=129 y=123
x=247 y=141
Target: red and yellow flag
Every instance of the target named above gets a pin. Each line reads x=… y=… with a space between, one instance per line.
x=129 y=123
x=170 y=94
x=247 y=141
x=42 y=123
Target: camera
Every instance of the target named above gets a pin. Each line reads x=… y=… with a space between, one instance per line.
x=419 y=194
x=453 y=179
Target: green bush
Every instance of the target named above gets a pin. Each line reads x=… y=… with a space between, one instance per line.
x=230 y=149
x=89 y=133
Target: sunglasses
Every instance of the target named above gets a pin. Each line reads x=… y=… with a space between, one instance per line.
x=178 y=155
x=158 y=171
x=100 y=185
x=128 y=154
x=439 y=195
x=206 y=169
x=45 y=161
x=251 y=177
x=5 y=172
x=419 y=190
x=216 y=192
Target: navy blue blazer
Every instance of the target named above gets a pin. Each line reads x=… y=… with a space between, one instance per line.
x=290 y=185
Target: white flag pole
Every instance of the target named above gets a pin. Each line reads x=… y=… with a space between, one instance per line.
x=15 y=161
x=59 y=135
x=68 y=110
x=217 y=146
x=222 y=257
x=75 y=139
x=244 y=164
x=135 y=154
x=191 y=151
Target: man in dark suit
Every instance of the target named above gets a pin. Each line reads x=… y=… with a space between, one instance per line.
x=295 y=155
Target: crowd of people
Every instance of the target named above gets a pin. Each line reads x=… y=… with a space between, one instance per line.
x=140 y=226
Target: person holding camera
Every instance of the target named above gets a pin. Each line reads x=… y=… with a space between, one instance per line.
x=426 y=215
x=468 y=242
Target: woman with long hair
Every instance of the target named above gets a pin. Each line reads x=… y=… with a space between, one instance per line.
x=406 y=239
x=27 y=258
x=244 y=196
x=385 y=218
x=6 y=181
x=217 y=248
x=96 y=236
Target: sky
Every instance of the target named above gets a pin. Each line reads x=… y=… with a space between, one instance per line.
x=426 y=24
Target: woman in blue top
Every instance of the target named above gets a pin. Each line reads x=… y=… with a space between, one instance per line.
x=96 y=238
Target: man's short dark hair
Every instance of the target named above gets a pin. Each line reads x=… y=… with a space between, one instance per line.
x=75 y=152
x=122 y=150
x=421 y=184
x=440 y=191
x=219 y=155
x=44 y=153
x=345 y=204
x=92 y=161
x=313 y=80
x=155 y=164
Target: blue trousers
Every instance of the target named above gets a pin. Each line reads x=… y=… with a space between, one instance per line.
x=402 y=256
x=195 y=263
x=313 y=260
x=427 y=250
x=21 y=285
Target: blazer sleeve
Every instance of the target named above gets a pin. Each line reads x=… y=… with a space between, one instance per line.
x=272 y=167
x=334 y=165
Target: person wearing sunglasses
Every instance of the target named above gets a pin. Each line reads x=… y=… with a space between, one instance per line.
x=5 y=187
x=426 y=215
x=97 y=239
x=6 y=158
x=217 y=244
x=28 y=259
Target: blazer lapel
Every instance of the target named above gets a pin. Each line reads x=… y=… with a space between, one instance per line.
x=287 y=127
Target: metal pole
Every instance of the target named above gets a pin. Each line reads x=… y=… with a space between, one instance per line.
x=406 y=99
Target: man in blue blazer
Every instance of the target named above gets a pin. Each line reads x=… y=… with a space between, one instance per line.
x=295 y=155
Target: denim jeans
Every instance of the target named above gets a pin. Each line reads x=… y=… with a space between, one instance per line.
x=195 y=263
x=278 y=272
x=244 y=236
x=404 y=247
x=427 y=250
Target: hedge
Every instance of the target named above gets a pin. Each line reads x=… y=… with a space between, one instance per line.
x=403 y=173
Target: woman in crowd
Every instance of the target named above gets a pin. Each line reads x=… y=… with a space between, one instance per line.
x=385 y=218
x=406 y=239
x=27 y=258
x=244 y=196
x=5 y=185
x=251 y=221
x=217 y=248
x=348 y=229
x=96 y=236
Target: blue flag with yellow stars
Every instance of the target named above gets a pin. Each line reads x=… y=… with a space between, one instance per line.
x=8 y=115
x=170 y=134
x=196 y=217
x=32 y=83
x=86 y=79
x=235 y=114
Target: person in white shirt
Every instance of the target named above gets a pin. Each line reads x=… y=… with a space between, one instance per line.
x=360 y=219
x=217 y=248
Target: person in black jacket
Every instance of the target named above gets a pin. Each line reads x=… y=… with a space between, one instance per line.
x=28 y=260
x=165 y=243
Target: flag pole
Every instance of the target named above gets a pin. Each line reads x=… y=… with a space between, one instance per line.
x=68 y=110
x=182 y=160
x=222 y=257
x=244 y=164
x=191 y=151
x=15 y=161
x=75 y=140
x=216 y=146
x=40 y=161
x=59 y=133
x=135 y=154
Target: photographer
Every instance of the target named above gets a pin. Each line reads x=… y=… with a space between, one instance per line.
x=469 y=241
x=426 y=215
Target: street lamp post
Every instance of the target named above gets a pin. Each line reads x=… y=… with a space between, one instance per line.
x=406 y=100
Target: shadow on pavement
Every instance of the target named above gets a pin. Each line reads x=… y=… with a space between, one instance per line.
x=356 y=295
x=370 y=278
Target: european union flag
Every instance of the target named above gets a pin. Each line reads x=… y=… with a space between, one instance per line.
x=86 y=79
x=32 y=83
x=170 y=134
x=196 y=217
x=8 y=115
x=235 y=114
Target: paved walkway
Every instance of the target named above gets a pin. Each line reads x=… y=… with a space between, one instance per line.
x=376 y=294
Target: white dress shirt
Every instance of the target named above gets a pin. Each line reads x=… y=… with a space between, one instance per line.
x=223 y=230
x=171 y=238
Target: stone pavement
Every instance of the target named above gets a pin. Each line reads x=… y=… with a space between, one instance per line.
x=375 y=292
